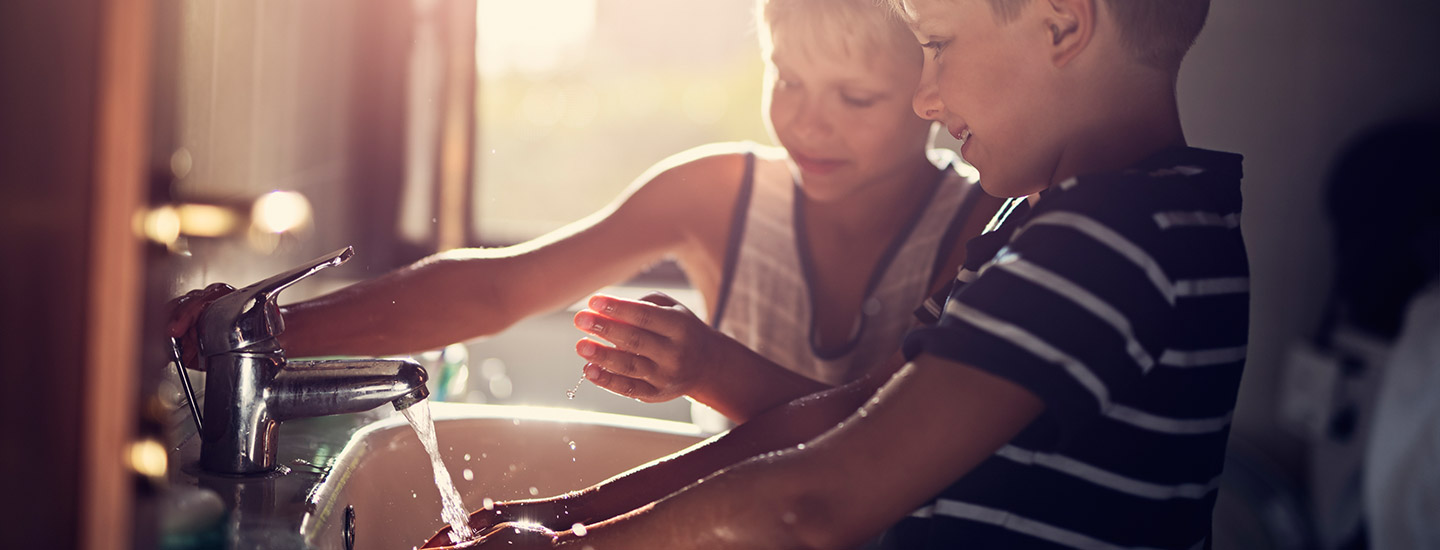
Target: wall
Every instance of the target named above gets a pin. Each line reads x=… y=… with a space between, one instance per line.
x=1287 y=83
x=49 y=68
x=262 y=100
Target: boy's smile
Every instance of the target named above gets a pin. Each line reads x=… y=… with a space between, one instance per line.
x=981 y=79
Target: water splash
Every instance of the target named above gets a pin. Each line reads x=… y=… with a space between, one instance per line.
x=453 y=509
x=570 y=393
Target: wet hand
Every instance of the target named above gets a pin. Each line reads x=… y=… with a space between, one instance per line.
x=184 y=311
x=486 y=519
x=658 y=349
x=553 y=511
x=511 y=536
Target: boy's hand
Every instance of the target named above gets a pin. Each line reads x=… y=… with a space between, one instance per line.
x=536 y=512
x=184 y=311
x=481 y=521
x=660 y=350
x=511 y=536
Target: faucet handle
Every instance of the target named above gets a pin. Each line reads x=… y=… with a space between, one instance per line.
x=250 y=315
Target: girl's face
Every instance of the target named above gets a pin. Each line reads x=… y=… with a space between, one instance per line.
x=846 y=120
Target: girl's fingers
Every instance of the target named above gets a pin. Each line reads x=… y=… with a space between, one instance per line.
x=616 y=361
x=185 y=309
x=623 y=335
x=660 y=299
x=650 y=316
x=621 y=385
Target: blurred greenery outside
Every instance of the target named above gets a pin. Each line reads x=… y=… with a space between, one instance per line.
x=552 y=151
x=642 y=80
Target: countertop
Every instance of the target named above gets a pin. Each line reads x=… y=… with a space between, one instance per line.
x=265 y=511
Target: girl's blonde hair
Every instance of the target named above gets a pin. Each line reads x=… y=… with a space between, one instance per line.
x=844 y=27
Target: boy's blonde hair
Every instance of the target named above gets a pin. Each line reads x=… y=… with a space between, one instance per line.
x=846 y=27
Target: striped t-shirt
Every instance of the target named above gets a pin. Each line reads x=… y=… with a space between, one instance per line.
x=1122 y=301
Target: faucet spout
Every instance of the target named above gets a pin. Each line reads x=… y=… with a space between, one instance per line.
x=249 y=396
x=318 y=388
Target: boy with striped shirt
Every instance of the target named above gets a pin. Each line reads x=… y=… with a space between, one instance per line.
x=1077 y=386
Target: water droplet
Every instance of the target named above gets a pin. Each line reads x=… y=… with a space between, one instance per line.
x=800 y=446
x=512 y=467
x=467 y=457
x=579 y=529
x=515 y=421
x=534 y=491
x=468 y=475
x=570 y=393
x=572 y=445
x=488 y=504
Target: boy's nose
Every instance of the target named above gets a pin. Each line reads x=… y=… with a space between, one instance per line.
x=927 y=102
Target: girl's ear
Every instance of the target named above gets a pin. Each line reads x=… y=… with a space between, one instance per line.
x=1069 y=25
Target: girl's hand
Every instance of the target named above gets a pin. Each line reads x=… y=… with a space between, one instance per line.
x=184 y=311
x=659 y=349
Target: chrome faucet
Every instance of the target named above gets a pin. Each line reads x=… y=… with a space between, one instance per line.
x=250 y=388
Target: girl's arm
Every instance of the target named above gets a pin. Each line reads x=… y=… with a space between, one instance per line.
x=466 y=293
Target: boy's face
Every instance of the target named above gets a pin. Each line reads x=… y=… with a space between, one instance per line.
x=846 y=120
x=987 y=82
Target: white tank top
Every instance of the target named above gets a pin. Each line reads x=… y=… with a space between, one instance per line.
x=765 y=299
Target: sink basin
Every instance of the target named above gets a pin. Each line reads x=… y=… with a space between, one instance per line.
x=492 y=451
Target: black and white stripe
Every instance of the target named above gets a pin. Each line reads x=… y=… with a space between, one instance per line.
x=1121 y=302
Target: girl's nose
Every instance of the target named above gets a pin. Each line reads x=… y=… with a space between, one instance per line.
x=810 y=118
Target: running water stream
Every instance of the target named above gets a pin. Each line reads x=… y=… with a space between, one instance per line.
x=453 y=510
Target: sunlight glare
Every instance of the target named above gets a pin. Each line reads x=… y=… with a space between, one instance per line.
x=531 y=36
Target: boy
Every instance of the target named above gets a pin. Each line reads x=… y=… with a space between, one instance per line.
x=1077 y=389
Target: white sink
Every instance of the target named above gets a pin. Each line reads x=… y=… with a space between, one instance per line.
x=514 y=452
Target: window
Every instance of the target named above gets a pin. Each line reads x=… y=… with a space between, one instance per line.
x=576 y=98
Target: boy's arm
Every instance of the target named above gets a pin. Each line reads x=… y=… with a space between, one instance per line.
x=784 y=426
x=929 y=425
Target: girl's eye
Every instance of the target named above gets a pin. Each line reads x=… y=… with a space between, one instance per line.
x=936 y=46
x=857 y=101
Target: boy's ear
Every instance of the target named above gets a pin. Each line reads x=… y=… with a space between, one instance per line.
x=1070 y=25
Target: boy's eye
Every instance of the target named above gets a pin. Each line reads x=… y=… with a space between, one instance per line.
x=856 y=101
